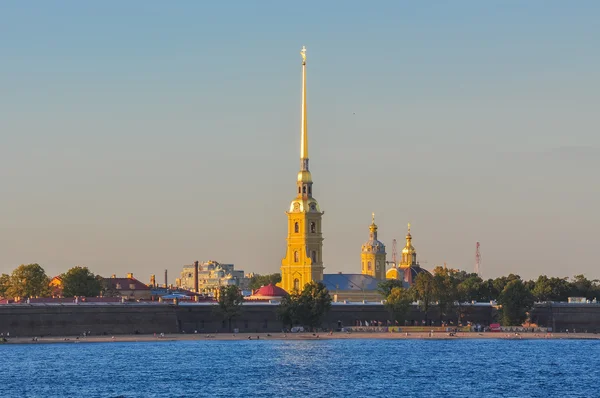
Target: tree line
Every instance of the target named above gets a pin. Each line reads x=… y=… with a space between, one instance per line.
x=29 y=281
x=449 y=289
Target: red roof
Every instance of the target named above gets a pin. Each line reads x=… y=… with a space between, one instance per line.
x=270 y=291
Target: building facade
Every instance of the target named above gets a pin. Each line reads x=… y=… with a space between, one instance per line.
x=303 y=262
x=211 y=276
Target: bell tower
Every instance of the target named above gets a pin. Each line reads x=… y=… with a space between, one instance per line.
x=373 y=254
x=303 y=262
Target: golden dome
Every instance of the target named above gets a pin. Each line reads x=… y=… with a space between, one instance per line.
x=304 y=176
x=394 y=273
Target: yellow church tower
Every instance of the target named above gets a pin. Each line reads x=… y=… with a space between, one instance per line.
x=303 y=262
x=373 y=254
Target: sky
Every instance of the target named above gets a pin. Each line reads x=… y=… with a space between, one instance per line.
x=144 y=135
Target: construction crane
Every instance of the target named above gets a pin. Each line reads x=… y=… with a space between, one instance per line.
x=394 y=261
x=477 y=259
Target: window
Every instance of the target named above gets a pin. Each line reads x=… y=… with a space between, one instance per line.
x=377 y=265
x=297 y=284
x=310 y=190
x=369 y=267
x=118 y=286
x=296 y=257
x=304 y=189
x=299 y=191
x=313 y=227
x=296 y=227
x=313 y=256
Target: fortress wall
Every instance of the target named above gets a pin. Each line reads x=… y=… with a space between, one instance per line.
x=72 y=320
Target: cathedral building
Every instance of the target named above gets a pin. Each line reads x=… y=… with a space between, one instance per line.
x=303 y=262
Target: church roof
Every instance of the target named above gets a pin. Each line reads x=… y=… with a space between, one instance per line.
x=269 y=291
x=357 y=282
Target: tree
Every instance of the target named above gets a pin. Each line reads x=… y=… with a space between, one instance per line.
x=472 y=289
x=79 y=281
x=315 y=302
x=583 y=287
x=423 y=291
x=385 y=288
x=230 y=302
x=4 y=284
x=287 y=311
x=106 y=288
x=445 y=289
x=263 y=280
x=516 y=301
x=29 y=281
x=398 y=303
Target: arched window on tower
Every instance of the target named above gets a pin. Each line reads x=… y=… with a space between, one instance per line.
x=313 y=227
x=299 y=190
x=313 y=256
x=296 y=257
x=310 y=190
x=297 y=284
x=369 y=267
x=304 y=189
x=296 y=227
x=414 y=258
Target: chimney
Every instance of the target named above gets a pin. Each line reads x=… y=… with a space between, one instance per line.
x=166 y=279
x=196 y=276
x=153 y=280
x=129 y=275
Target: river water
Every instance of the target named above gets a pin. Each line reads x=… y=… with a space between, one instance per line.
x=314 y=368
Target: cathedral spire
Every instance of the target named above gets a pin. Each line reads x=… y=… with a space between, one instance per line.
x=303 y=123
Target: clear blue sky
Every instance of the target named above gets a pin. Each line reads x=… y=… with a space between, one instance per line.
x=143 y=135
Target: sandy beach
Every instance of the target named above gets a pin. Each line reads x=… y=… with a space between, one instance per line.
x=298 y=336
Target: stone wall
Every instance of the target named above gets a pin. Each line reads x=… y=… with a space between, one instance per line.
x=110 y=319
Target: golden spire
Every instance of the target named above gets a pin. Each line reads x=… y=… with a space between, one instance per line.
x=304 y=125
x=409 y=228
x=373 y=218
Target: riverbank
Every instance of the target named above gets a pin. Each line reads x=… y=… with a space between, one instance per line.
x=299 y=336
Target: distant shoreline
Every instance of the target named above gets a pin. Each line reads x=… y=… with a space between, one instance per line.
x=303 y=336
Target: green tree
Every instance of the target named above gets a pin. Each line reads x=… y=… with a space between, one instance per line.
x=263 y=280
x=313 y=303
x=385 y=288
x=4 y=284
x=106 y=288
x=445 y=289
x=398 y=303
x=583 y=287
x=29 y=281
x=230 y=303
x=516 y=301
x=288 y=308
x=424 y=291
x=79 y=281
x=542 y=290
x=471 y=289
